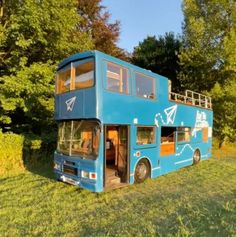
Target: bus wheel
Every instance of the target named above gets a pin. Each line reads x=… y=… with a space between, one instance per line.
x=196 y=157
x=142 y=171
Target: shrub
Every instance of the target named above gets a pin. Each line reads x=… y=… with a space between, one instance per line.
x=11 y=153
x=38 y=150
x=18 y=152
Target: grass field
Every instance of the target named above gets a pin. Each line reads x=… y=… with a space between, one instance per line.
x=194 y=201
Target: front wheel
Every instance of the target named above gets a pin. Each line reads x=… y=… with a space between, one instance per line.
x=142 y=171
x=196 y=157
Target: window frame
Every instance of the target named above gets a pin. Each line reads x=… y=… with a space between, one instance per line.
x=72 y=140
x=64 y=69
x=147 y=144
x=73 y=65
x=77 y=63
x=183 y=132
x=153 y=85
x=128 y=91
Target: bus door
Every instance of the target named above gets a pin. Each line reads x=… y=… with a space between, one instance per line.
x=116 y=150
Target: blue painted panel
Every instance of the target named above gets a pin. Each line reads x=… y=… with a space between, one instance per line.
x=76 y=104
x=82 y=165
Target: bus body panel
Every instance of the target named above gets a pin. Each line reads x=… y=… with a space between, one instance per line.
x=112 y=108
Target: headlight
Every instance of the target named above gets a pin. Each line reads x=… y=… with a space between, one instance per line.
x=88 y=175
x=57 y=166
x=84 y=174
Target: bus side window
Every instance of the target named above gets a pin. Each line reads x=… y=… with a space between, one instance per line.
x=145 y=86
x=117 y=78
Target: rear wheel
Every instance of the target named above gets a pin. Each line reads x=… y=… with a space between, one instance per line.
x=142 y=171
x=196 y=157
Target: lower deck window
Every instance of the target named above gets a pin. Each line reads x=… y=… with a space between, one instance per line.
x=171 y=135
x=183 y=134
x=168 y=134
x=167 y=141
x=79 y=138
x=145 y=135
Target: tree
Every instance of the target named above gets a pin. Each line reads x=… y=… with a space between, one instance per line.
x=27 y=99
x=208 y=53
x=208 y=58
x=35 y=36
x=95 y=21
x=160 y=56
x=224 y=98
x=38 y=31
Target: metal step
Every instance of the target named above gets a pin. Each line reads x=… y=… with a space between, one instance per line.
x=111 y=177
x=113 y=180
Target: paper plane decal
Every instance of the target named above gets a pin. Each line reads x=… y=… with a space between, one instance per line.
x=70 y=103
x=170 y=114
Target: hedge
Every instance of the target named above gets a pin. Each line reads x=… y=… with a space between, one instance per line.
x=20 y=152
x=11 y=153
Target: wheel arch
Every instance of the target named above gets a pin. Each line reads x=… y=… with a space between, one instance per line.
x=197 y=149
x=149 y=162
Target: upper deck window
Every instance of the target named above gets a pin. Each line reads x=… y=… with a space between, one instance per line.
x=78 y=75
x=84 y=75
x=117 y=78
x=64 y=80
x=145 y=86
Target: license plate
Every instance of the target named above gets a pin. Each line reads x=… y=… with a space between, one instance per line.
x=68 y=180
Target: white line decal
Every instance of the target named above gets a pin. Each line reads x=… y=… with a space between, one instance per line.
x=201 y=122
x=156 y=121
x=182 y=161
x=70 y=103
x=170 y=116
x=186 y=145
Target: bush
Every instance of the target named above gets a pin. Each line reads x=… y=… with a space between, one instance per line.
x=18 y=152
x=11 y=153
x=38 y=150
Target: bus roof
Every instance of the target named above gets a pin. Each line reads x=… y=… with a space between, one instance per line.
x=92 y=53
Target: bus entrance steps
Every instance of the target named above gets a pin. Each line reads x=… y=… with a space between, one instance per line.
x=111 y=177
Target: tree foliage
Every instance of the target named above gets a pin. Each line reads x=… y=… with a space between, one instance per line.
x=160 y=56
x=27 y=99
x=224 y=98
x=38 y=31
x=35 y=36
x=208 y=53
x=95 y=21
x=208 y=58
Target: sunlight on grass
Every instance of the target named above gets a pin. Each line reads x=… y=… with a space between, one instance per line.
x=194 y=201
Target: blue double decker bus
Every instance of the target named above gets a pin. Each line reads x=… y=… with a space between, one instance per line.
x=119 y=124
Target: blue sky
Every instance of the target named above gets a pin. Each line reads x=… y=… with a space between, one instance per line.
x=140 y=18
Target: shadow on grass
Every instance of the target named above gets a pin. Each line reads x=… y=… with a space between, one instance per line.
x=43 y=169
x=38 y=158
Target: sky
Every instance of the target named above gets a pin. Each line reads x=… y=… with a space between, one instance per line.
x=142 y=18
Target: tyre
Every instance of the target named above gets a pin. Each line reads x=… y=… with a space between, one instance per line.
x=196 y=157
x=142 y=171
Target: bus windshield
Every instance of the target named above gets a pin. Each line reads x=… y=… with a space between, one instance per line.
x=77 y=75
x=79 y=138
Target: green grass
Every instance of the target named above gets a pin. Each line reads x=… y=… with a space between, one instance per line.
x=194 y=201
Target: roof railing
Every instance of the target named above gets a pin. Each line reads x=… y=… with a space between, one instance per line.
x=192 y=98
